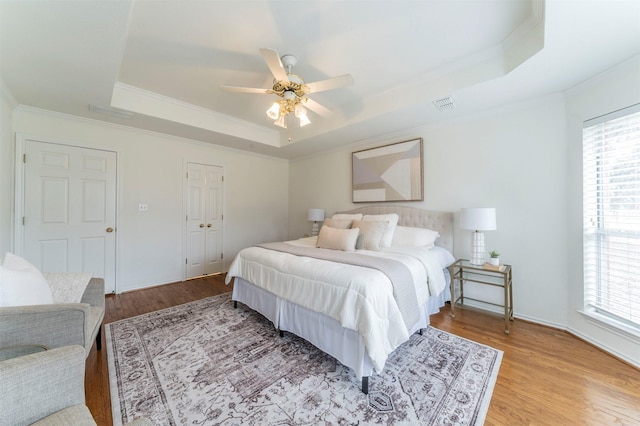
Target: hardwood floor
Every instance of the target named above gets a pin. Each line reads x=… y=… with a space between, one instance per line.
x=547 y=376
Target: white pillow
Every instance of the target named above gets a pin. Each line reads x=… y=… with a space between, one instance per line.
x=443 y=256
x=338 y=223
x=22 y=284
x=392 y=218
x=345 y=216
x=370 y=234
x=337 y=239
x=415 y=237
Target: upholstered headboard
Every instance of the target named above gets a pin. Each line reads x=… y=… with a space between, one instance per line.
x=418 y=218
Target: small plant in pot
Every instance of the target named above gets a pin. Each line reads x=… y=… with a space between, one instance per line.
x=495 y=257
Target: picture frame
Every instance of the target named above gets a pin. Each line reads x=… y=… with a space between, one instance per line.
x=386 y=173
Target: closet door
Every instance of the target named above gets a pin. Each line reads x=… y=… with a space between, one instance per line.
x=204 y=220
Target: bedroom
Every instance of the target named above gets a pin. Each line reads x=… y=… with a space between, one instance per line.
x=522 y=157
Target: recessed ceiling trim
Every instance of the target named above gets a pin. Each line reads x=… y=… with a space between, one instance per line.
x=155 y=105
x=116 y=112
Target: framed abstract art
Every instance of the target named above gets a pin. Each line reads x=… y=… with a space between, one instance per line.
x=388 y=173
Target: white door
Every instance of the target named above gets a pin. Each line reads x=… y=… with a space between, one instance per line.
x=204 y=219
x=70 y=209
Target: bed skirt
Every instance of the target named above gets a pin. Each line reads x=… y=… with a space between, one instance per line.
x=343 y=344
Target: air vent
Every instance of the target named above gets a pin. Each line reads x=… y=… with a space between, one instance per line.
x=444 y=104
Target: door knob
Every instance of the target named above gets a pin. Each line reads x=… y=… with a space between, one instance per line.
x=109 y=229
x=202 y=225
x=208 y=225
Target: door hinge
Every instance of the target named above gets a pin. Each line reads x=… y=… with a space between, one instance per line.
x=187 y=218
x=24 y=158
x=221 y=217
x=223 y=178
x=185 y=262
x=187 y=175
x=22 y=220
x=221 y=255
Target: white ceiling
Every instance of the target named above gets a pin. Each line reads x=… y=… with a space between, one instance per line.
x=165 y=60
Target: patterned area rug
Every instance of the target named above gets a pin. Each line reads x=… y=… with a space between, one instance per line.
x=206 y=363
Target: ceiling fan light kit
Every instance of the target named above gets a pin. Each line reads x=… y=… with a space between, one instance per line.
x=292 y=89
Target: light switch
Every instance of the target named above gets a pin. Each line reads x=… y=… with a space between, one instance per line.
x=143 y=207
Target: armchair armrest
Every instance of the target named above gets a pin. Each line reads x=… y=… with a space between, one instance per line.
x=35 y=386
x=52 y=325
x=58 y=324
x=94 y=294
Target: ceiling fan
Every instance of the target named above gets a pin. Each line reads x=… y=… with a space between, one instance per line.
x=292 y=89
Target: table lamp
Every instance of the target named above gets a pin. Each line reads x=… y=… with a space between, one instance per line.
x=315 y=216
x=478 y=220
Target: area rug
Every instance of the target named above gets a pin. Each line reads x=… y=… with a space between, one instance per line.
x=206 y=363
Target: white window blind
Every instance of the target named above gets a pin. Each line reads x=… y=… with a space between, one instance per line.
x=611 y=197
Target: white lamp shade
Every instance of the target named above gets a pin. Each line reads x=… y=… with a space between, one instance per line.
x=315 y=215
x=478 y=219
x=304 y=120
x=274 y=111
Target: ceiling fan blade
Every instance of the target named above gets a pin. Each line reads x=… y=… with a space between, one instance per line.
x=274 y=63
x=243 y=89
x=316 y=107
x=330 y=83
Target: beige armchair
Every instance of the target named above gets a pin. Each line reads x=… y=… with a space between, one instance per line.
x=46 y=388
x=56 y=325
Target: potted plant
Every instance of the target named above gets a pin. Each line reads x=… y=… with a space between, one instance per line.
x=495 y=257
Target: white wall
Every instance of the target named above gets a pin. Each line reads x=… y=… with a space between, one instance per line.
x=618 y=88
x=151 y=170
x=7 y=104
x=513 y=159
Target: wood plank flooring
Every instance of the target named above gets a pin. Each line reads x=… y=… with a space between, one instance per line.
x=547 y=376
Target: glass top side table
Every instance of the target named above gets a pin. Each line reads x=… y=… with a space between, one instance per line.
x=502 y=276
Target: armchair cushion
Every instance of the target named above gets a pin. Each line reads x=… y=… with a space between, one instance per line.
x=77 y=415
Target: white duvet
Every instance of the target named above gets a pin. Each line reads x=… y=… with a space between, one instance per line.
x=359 y=298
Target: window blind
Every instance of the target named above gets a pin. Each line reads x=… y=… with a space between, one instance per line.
x=611 y=206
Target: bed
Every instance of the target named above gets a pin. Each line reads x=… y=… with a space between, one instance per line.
x=355 y=312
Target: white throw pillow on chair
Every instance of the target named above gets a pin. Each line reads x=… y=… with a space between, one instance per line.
x=22 y=284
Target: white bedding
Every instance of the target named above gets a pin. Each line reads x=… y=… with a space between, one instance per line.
x=360 y=299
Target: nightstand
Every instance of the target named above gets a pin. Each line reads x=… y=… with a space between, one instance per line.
x=464 y=271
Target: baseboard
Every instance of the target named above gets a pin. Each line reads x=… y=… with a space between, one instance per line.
x=603 y=347
x=538 y=321
x=575 y=333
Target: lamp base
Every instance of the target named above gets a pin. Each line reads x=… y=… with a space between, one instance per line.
x=314 y=229
x=477 y=248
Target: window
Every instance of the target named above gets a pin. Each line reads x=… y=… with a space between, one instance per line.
x=611 y=197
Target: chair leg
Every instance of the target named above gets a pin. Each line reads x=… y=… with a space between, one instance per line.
x=365 y=385
x=99 y=338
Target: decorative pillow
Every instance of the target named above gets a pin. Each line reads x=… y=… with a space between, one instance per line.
x=338 y=223
x=337 y=239
x=392 y=218
x=408 y=236
x=345 y=216
x=22 y=284
x=370 y=233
